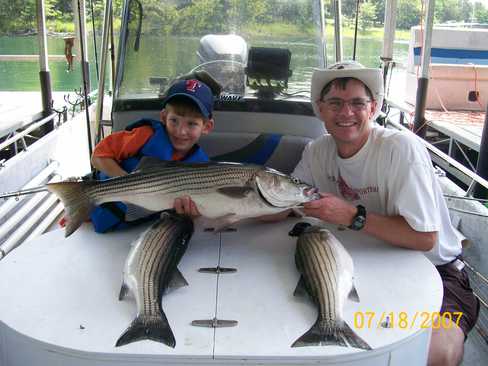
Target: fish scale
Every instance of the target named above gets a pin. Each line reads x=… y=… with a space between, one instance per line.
x=150 y=267
x=227 y=192
x=326 y=274
x=171 y=181
x=149 y=259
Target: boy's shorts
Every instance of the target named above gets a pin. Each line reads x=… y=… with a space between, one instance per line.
x=458 y=295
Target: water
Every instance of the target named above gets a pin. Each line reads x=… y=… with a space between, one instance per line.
x=24 y=75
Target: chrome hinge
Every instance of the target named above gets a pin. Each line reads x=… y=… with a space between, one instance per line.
x=214 y=323
x=217 y=270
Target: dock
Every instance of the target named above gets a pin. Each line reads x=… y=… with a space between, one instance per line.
x=18 y=109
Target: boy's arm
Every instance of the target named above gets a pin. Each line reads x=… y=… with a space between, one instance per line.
x=108 y=166
x=117 y=147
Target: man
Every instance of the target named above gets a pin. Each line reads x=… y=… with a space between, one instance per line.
x=381 y=182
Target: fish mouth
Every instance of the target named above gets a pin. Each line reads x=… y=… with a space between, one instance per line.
x=310 y=194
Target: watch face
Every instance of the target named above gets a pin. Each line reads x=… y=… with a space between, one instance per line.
x=358 y=223
x=359 y=219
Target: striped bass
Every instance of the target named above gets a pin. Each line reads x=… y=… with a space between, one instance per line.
x=326 y=270
x=226 y=191
x=149 y=270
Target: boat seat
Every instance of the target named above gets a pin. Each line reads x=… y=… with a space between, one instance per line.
x=281 y=152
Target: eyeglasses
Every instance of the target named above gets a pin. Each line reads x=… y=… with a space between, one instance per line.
x=356 y=104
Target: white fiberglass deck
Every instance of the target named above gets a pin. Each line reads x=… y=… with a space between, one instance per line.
x=59 y=301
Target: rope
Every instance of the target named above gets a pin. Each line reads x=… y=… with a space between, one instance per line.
x=476 y=87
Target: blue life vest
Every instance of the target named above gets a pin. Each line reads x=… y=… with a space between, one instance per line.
x=110 y=216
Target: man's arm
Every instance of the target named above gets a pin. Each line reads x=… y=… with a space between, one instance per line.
x=393 y=229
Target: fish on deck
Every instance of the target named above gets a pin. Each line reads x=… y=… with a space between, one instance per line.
x=326 y=270
x=150 y=270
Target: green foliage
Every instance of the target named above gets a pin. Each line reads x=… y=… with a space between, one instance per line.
x=408 y=13
x=202 y=16
x=367 y=15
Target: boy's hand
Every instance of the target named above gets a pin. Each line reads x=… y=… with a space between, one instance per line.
x=185 y=206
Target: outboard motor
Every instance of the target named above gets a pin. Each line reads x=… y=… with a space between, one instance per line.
x=224 y=56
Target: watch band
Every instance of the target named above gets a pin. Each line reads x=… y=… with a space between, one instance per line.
x=359 y=219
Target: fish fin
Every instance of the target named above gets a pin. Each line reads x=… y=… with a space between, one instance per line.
x=235 y=192
x=352 y=338
x=145 y=327
x=76 y=201
x=353 y=294
x=148 y=162
x=301 y=289
x=223 y=222
x=135 y=212
x=176 y=281
x=337 y=335
x=124 y=290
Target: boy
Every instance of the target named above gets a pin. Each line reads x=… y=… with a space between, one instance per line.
x=186 y=115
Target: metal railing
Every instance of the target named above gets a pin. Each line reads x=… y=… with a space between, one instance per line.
x=439 y=156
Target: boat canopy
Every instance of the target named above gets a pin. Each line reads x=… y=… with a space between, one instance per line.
x=161 y=41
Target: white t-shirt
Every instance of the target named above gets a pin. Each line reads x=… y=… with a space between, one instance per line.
x=392 y=174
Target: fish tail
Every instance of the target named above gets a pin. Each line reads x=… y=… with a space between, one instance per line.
x=76 y=201
x=336 y=335
x=352 y=338
x=148 y=327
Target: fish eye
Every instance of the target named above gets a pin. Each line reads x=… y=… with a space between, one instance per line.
x=295 y=180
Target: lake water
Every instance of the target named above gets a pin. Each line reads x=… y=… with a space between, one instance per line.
x=24 y=75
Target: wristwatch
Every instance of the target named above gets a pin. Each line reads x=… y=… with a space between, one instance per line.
x=359 y=219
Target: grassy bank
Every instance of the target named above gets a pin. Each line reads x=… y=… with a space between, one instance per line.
x=291 y=30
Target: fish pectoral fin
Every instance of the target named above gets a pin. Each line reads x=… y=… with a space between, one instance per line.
x=124 y=290
x=353 y=294
x=135 y=212
x=176 y=281
x=224 y=222
x=235 y=192
x=301 y=289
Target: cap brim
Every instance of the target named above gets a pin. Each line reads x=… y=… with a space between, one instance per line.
x=200 y=105
x=370 y=77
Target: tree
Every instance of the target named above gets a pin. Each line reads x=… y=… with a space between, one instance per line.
x=408 y=13
x=367 y=15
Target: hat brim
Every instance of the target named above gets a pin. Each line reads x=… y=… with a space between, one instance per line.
x=200 y=105
x=372 y=78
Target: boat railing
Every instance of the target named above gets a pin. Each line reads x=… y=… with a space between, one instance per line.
x=445 y=161
x=21 y=135
x=26 y=216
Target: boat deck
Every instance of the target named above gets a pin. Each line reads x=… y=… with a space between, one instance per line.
x=79 y=319
x=463 y=126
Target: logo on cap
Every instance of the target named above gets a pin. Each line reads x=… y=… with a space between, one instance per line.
x=191 y=85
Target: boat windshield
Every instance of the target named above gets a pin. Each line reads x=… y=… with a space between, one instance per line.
x=163 y=40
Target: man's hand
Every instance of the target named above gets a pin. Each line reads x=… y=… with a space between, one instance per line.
x=185 y=206
x=330 y=208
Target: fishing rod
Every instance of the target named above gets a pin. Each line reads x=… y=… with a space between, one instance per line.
x=23 y=192
x=85 y=78
x=355 y=31
x=94 y=37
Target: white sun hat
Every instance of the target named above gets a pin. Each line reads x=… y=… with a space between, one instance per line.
x=371 y=77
